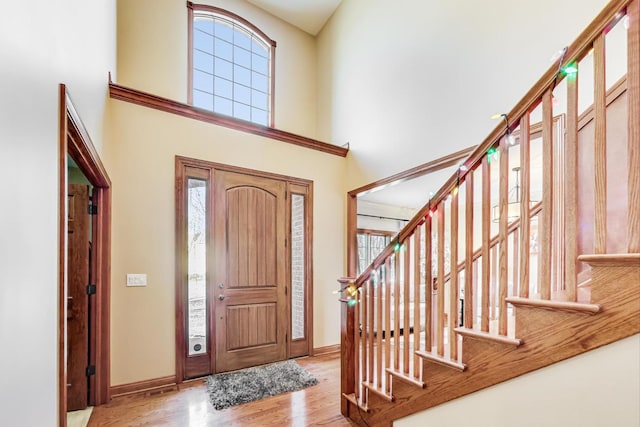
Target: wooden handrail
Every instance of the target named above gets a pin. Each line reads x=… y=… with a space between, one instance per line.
x=489 y=287
x=579 y=48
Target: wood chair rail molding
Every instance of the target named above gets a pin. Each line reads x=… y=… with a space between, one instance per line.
x=145 y=99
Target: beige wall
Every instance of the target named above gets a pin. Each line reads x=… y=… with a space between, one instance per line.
x=140 y=157
x=42 y=44
x=594 y=389
x=409 y=81
x=152 y=56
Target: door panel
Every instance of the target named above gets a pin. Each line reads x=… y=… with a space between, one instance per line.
x=77 y=298
x=251 y=319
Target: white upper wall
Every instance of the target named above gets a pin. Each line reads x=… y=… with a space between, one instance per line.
x=410 y=81
x=42 y=44
x=153 y=53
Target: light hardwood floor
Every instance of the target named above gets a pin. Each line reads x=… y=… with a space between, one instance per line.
x=189 y=407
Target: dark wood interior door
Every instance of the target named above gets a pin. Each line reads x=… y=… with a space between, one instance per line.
x=77 y=297
x=251 y=312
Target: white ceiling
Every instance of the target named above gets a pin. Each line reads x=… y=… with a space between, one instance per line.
x=412 y=193
x=308 y=15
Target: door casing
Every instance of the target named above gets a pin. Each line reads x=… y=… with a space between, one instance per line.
x=193 y=168
x=74 y=140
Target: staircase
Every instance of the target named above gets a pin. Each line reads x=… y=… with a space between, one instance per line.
x=479 y=288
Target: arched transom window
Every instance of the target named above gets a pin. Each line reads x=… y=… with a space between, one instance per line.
x=231 y=65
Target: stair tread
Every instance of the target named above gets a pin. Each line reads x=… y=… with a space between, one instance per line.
x=611 y=260
x=351 y=397
x=408 y=378
x=474 y=333
x=556 y=305
x=378 y=392
x=442 y=360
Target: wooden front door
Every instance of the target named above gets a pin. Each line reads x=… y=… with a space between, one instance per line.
x=77 y=298
x=249 y=287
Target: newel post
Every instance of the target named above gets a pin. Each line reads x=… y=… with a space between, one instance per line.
x=347 y=349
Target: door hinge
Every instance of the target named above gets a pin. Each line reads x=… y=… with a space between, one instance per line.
x=91 y=289
x=92 y=209
x=91 y=370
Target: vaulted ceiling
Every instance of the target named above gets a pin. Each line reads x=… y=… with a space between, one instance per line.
x=308 y=15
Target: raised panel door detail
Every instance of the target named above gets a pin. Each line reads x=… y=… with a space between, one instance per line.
x=251 y=325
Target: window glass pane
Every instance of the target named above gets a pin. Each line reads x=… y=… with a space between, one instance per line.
x=259 y=99
x=242 y=39
x=241 y=75
x=259 y=116
x=202 y=41
x=222 y=106
x=224 y=88
x=223 y=68
x=224 y=30
x=241 y=94
x=297 y=267
x=241 y=57
x=203 y=61
x=223 y=50
x=241 y=111
x=377 y=245
x=197 y=265
x=202 y=81
x=260 y=82
x=202 y=100
x=362 y=252
x=259 y=48
x=203 y=24
x=260 y=64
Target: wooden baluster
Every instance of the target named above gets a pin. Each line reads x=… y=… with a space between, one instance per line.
x=515 y=263
x=348 y=349
x=525 y=198
x=387 y=320
x=468 y=248
x=503 y=237
x=486 y=237
x=416 y=301
x=476 y=286
x=493 y=303
x=545 y=225
x=600 y=146
x=356 y=344
x=406 y=305
x=379 y=327
x=570 y=244
x=371 y=292
x=428 y=288
x=441 y=287
x=455 y=294
x=633 y=126
x=363 y=330
x=396 y=312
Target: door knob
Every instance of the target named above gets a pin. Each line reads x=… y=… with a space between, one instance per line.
x=220 y=297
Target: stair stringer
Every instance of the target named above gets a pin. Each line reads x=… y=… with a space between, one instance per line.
x=548 y=335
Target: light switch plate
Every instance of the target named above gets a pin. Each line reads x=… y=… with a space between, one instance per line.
x=136 y=279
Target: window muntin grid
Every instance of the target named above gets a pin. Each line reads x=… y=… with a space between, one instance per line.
x=231 y=72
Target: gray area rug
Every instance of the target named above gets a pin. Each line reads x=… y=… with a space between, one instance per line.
x=234 y=388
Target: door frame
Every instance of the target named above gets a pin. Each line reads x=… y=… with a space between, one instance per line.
x=293 y=186
x=74 y=140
